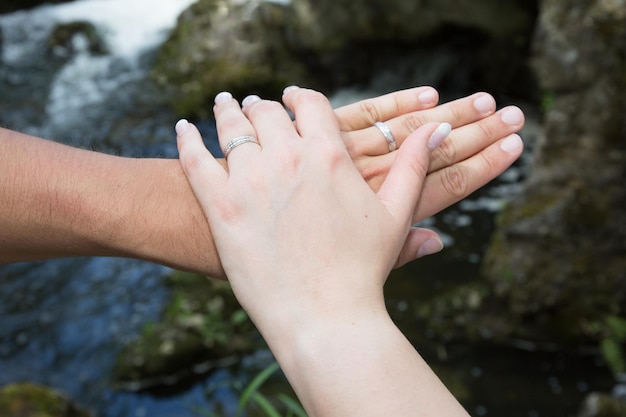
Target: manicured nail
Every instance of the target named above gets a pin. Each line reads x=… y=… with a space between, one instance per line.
x=484 y=103
x=512 y=116
x=182 y=126
x=427 y=97
x=512 y=144
x=223 y=97
x=290 y=88
x=432 y=245
x=250 y=99
x=439 y=135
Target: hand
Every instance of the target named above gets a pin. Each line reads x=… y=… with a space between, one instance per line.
x=480 y=147
x=307 y=246
x=294 y=205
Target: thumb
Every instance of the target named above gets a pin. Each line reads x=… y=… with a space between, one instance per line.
x=419 y=242
x=401 y=189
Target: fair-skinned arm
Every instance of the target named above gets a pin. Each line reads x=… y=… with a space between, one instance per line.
x=61 y=201
x=307 y=246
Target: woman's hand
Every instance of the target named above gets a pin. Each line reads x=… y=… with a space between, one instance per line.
x=295 y=201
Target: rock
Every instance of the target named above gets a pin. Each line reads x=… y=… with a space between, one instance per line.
x=602 y=405
x=29 y=400
x=557 y=261
x=75 y=37
x=202 y=328
x=261 y=47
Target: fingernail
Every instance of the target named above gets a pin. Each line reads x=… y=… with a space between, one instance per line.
x=250 y=99
x=223 y=97
x=290 y=88
x=439 y=135
x=512 y=116
x=427 y=97
x=182 y=126
x=432 y=245
x=512 y=144
x=484 y=103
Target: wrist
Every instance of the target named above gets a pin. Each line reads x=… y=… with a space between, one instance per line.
x=164 y=222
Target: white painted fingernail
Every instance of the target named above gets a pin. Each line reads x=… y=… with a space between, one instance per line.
x=431 y=246
x=427 y=97
x=223 y=97
x=512 y=144
x=439 y=135
x=290 y=88
x=250 y=99
x=182 y=126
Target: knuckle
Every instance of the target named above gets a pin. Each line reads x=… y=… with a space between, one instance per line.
x=306 y=96
x=444 y=154
x=413 y=121
x=456 y=116
x=370 y=112
x=454 y=181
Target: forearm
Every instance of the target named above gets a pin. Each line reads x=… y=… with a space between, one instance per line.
x=360 y=365
x=61 y=201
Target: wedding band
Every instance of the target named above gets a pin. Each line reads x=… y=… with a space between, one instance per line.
x=384 y=129
x=239 y=140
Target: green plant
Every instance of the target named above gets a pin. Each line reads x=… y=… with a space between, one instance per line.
x=612 y=345
x=252 y=400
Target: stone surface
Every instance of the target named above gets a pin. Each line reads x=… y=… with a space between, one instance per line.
x=261 y=47
x=558 y=259
x=29 y=400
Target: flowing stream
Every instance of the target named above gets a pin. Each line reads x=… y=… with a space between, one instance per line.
x=63 y=321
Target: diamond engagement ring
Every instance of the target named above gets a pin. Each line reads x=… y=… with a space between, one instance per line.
x=239 y=140
x=384 y=129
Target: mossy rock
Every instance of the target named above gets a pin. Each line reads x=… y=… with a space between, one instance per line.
x=602 y=405
x=29 y=400
x=202 y=328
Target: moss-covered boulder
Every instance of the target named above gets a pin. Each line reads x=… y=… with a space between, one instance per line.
x=29 y=400
x=203 y=327
x=602 y=405
x=261 y=47
x=557 y=263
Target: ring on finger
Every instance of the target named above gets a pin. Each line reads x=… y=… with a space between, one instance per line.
x=391 y=141
x=239 y=140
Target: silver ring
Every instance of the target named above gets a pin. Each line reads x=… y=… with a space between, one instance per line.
x=239 y=140
x=391 y=141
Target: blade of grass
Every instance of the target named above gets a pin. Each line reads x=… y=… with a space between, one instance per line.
x=266 y=406
x=292 y=405
x=254 y=385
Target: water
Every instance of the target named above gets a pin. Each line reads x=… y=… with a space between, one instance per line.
x=63 y=321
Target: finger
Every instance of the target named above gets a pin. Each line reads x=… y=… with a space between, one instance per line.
x=315 y=117
x=231 y=123
x=202 y=170
x=402 y=187
x=370 y=141
x=365 y=113
x=451 y=184
x=419 y=242
x=270 y=120
x=470 y=139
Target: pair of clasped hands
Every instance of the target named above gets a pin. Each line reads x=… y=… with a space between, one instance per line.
x=310 y=215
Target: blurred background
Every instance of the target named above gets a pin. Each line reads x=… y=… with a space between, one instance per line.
x=524 y=312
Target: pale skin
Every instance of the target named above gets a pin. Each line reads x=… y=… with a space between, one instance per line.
x=308 y=260
x=60 y=201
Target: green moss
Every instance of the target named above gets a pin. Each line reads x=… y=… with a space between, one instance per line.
x=203 y=323
x=28 y=400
